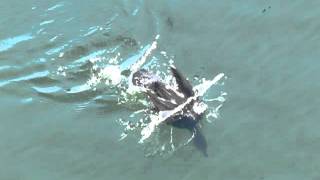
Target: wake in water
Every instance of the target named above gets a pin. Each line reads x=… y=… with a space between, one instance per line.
x=169 y=98
x=172 y=101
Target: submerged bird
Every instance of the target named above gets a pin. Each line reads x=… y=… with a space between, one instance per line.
x=186 y=109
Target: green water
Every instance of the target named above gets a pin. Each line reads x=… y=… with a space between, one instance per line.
x=52 y=128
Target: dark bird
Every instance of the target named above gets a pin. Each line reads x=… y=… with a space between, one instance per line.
x=166 y=98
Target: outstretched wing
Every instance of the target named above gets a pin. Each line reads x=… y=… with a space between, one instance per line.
x=183 y=84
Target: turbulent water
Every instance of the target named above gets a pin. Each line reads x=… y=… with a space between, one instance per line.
x=68 y=110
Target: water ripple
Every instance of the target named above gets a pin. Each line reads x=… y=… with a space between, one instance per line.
x=4 y=67
x=25 y=78
x=55 y=7
x=91 y=31
x=47 y=22
x=56 y=50
x=11 y=42
x=47 y=90
x=90 y=56
x=79 y=88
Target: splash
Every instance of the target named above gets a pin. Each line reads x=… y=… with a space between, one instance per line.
x=143 y=121
x=143 y=59
x=111 y=74
x=111 y=71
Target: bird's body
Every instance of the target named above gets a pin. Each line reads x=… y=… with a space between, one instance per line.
x=165 y=97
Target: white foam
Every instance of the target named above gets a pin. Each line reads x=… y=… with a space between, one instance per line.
x=135 y=67
x=112 y=73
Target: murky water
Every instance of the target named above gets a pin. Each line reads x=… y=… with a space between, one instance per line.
x=65 y=103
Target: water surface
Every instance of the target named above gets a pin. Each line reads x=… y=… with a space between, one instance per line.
x=57 y=122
